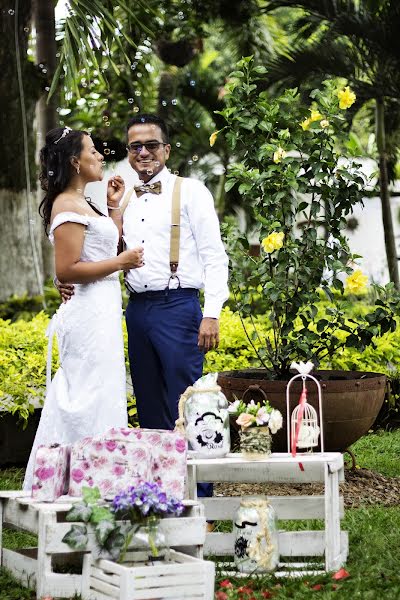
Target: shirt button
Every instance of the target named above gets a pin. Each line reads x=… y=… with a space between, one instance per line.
x=145 y=286
x=142 y=220
x=142 y=241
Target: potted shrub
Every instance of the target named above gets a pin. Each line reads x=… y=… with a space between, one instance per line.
x=290 y=168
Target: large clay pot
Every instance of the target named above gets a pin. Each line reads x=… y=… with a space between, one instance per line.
x=351 y=401
x=16 y=442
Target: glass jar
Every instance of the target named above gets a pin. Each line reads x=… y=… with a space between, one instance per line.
x=207 y=420
x=256 y=537
x=150 y=538
x=255 y=442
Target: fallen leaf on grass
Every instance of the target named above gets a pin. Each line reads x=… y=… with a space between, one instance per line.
x=341 y=574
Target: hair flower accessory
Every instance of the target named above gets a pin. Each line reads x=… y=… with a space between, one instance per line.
x=64 y=133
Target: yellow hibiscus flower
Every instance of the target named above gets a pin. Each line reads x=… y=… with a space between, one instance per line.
x=356 y=282
x=273 y=241
x=279 y=155
x=346 y=98
x=213 y=138
x=315 y=115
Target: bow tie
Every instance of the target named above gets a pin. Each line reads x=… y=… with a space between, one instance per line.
x=144 y=188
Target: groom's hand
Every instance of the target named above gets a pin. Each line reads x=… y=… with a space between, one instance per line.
x=66 y=290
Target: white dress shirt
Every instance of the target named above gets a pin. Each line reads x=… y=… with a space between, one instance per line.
x=203 y=262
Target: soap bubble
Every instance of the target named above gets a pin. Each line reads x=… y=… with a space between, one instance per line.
x=130 y=100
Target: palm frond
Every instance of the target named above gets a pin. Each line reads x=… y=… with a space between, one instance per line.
x=91 y=29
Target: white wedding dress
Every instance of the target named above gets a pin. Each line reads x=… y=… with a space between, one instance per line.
x=88 y=393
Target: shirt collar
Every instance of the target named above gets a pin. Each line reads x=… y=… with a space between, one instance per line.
x=162 y=176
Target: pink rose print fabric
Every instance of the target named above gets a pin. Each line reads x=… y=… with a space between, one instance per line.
x=109 y=464
x=50 y=473
x=169 y=452
x=123 y=457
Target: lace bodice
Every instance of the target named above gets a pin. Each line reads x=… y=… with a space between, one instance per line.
x=101 y=235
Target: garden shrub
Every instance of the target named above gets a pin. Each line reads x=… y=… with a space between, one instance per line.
x=23 y=349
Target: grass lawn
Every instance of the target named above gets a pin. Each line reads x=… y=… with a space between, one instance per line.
x=374 y=539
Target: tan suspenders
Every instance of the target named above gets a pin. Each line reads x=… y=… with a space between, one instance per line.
x=175 y=223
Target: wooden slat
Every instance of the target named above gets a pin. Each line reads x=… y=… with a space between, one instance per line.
x=291 y=543
x=22 y=567
x=179 y=531
x=286 y=507
x=22 y=517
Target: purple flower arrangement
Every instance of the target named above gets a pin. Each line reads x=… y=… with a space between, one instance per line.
x=145 y=500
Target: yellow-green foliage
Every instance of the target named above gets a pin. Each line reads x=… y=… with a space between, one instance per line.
x=23 y=349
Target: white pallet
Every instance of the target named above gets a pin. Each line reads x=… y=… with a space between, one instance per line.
x=179 y=577
x=34 y=566
x=326 y=550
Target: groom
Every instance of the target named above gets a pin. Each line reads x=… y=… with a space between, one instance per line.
x=167 y=332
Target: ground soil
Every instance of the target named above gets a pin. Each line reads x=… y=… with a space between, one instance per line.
x=360 y=488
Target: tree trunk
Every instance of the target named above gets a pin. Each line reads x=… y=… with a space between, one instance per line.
x=20 y=262
x=390 y=244
x=46 y=115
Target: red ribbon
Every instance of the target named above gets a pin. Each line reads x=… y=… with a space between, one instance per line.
x=295 y=436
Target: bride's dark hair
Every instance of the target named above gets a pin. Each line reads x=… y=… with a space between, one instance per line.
x=62 y=144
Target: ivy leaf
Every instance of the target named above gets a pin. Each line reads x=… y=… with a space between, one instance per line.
x=79 y=512
x=103 y=530
x=101 y=513
x=91 y=495
x=76 y=537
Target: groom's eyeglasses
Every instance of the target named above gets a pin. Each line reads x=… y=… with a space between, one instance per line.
x=136 y=147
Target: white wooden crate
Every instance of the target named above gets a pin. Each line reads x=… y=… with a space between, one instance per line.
x=178 y=577
x=35 y=566
x=301 y=551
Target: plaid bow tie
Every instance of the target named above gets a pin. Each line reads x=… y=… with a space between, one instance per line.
x=144 y=188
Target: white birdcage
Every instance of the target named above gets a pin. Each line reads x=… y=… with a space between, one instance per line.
x=303 y=429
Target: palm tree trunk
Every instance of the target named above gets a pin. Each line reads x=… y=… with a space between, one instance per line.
x=46 y=49
x=390 y=244
x=20 y=256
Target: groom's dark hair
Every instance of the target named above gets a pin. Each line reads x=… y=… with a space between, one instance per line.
x=149 y=118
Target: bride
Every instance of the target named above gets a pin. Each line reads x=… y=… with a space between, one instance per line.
x=87 y=395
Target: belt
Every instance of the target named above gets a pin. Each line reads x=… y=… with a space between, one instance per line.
x=164 y=293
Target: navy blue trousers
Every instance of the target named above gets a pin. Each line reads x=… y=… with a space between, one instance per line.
x=164 y=356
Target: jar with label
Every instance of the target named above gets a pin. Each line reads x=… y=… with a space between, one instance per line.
x=256 y=537
x=203 y=409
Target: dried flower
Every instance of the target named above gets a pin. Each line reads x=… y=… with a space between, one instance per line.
x=256 y=414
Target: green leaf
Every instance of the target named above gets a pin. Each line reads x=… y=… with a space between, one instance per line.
x=91 y=495
x=79 y=512
x=103 y=529
x=101 y=513
x=76 y=537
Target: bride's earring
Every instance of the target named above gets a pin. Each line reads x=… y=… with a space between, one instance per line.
x=78 y=170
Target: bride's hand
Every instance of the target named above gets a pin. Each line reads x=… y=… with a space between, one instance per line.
x=115 y=190
x=131 y=259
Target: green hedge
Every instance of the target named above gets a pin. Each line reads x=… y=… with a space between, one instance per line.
x=23 y=347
